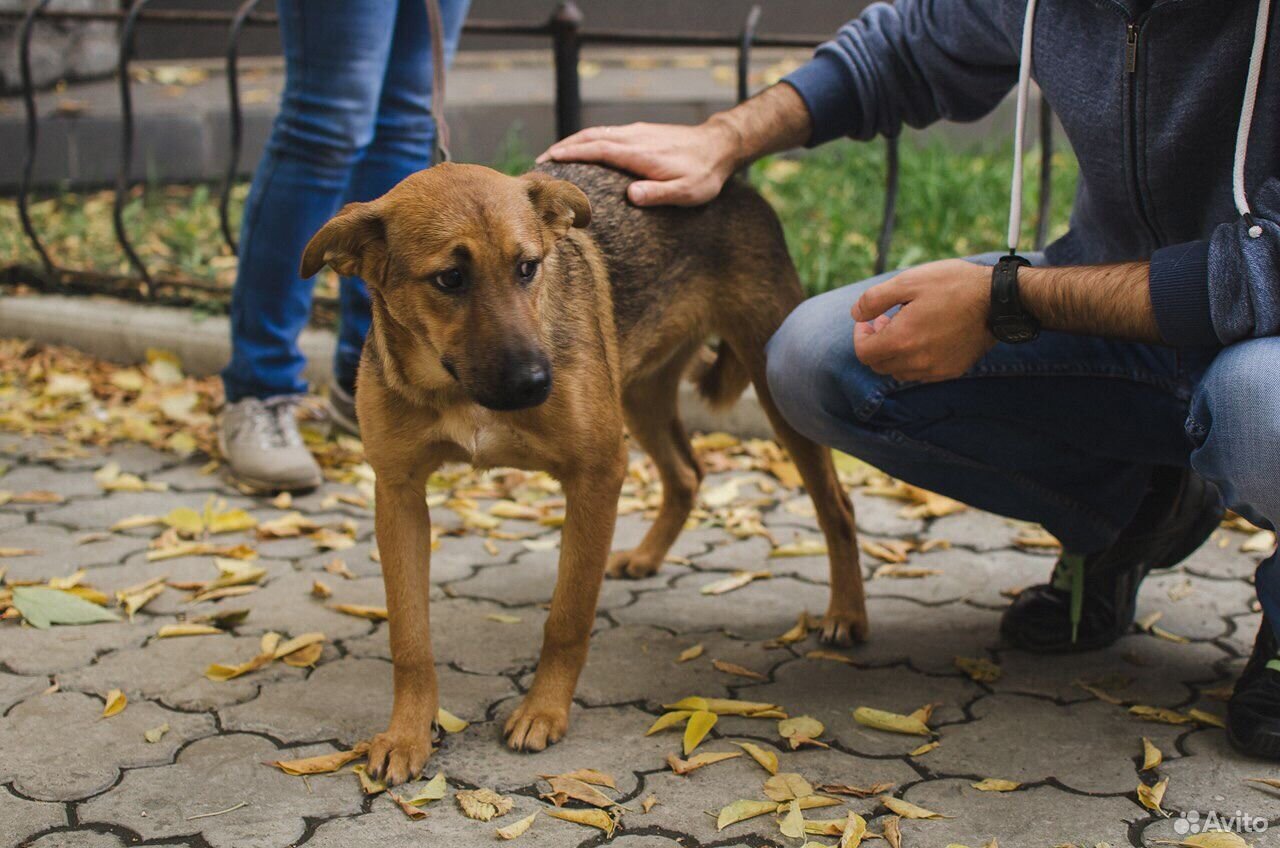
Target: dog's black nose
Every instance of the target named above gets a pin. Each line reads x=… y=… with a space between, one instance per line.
x=529 y=384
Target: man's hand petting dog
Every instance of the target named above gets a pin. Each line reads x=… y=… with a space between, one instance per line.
x=682 y=166
x=939 y=330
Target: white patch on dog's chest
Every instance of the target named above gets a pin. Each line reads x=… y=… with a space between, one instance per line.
x=477 y=432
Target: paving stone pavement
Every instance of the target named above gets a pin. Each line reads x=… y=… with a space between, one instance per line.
x=72 y=779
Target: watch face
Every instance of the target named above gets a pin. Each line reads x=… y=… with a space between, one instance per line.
x=1015 y=331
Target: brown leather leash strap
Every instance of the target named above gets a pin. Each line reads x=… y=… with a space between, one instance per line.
x=435 y=21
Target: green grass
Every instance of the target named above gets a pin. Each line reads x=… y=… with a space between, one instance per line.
x=950 y=203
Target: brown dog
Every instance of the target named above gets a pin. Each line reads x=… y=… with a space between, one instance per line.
x=506 y=334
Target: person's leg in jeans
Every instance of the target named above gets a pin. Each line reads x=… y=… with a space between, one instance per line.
x=1069 y=431
x=1235 y=424
x=335 y=61
x=1065 y=430
x=403 y=142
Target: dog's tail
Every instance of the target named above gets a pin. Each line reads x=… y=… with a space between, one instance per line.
x=721 y=377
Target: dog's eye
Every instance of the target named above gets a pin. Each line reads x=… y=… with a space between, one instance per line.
x=450 y=280
x=527 y=269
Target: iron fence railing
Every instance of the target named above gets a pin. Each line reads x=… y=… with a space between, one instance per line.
x=567 y=33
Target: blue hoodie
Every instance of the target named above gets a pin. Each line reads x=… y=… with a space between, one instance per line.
x=1149 y=94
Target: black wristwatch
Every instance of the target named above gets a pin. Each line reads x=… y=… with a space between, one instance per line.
x=1008 y=320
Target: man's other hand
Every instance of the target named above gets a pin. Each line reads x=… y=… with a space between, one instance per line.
x=940 y=331
x=677 y=165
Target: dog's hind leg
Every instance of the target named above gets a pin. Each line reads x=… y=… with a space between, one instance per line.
x=653 y=419
x=846 y=618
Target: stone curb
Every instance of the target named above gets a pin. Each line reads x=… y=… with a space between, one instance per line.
x=122 y=332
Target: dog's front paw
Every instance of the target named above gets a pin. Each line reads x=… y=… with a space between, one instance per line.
x=843 y=628
x=398 y=756
x=534 y=726
x=631 y=564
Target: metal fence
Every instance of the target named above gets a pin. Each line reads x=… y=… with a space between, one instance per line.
x=566 y=30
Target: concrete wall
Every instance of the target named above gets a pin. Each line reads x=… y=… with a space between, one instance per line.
x=59 y=51
x=780 y=16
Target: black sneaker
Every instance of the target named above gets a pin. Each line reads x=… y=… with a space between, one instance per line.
x=1177 y=515
x=1253 y=715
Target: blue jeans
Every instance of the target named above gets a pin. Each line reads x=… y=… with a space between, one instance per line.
x=354 y=120
x=1064 y=430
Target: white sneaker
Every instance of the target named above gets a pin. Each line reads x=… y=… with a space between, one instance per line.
x=262 y=445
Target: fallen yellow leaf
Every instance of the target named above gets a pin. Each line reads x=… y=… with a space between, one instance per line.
x=1151 y=796
x=991 y=784
x=767 y=759
x=1151 y=756
x=449 y=722
x=361 y=611
x=700 y=724
x=367 y=784
x=979 y=670
x=690 y=653
x=588 y=818
x=736 y=670
x=742 y=810
x=697 y=761
x=793 y=824
x=908 y=810
x=736 y=581
x=891 y=722
x=170 y=631
x=517 y=829
x=116 y=702
x=322 y=763
x=670 y=719
x=787 y=786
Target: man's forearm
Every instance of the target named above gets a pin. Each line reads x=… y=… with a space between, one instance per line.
x=1113 y=301
x=776 y=119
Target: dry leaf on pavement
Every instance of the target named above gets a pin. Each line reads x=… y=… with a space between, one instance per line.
x=565 y=788
x=482 y=804
x=737 y=670
x=700 y=724
x=697 y=761
x=787 y=786
x=766 y=758
x=588 y=818
x=690 y=653
x=1151 y=756
x=855 y=791
x=908 y=810
x=322 y=763
x=979 y=670
x=891 y=722
x=367 y=784
x=116 y=702
x=802 y=730
x=993 y=784
x=742 y=810
x=449 y=722
x=361 y=611
x=1151 y=796
x=516 y=829
x=736 y=581
x=793 y=824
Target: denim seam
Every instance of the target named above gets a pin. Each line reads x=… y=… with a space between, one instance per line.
x=1099 y=522
x=1176 y=387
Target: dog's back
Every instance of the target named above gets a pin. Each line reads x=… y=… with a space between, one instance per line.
x=681 y=274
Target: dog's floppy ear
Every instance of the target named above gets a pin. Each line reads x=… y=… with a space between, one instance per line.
x=559 y=203
x=345 y=243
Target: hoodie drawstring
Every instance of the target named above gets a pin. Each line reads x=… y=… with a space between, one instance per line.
x=1246 y=117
